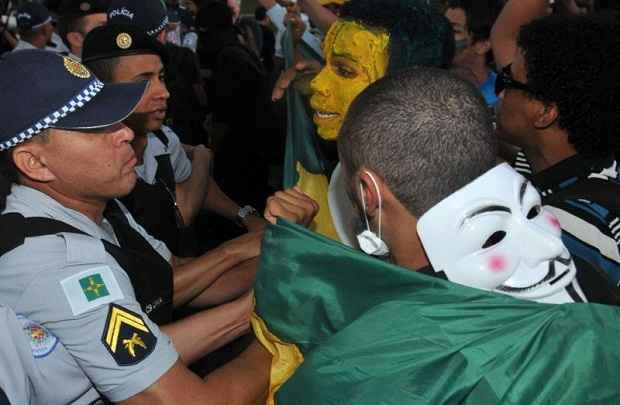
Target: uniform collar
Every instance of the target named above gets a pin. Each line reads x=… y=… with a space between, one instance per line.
x=33 y=203
x=21 y=45
x=574 y=168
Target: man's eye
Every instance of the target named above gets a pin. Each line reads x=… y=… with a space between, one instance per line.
x=345 y=71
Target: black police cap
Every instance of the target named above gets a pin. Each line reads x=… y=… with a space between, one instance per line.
x=83 y=7
x=113 y=41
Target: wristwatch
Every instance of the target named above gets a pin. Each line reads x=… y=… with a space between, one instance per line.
x=243 y=214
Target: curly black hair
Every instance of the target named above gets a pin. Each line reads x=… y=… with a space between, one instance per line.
x=419 y=35
x=572 y=62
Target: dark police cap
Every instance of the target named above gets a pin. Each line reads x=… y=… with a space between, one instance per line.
x=32 y=15
x=83 y=7
x=150 y=15
x=113 y=41
x=47 y=90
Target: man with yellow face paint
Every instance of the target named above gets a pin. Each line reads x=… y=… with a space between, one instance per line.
x=372 y=38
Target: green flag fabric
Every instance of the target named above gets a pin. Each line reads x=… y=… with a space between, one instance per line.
x=301 y=143
x=374 y=333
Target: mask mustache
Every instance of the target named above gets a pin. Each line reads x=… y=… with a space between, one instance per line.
x=550 y=277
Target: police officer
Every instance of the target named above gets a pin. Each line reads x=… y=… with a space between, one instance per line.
x=76 y=18
x=171 y=190
x=34 y=24
x=73 y=252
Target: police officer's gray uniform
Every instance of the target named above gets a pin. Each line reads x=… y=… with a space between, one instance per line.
x=54 y=281
x=16 y=360
x=67 y=282
x=181 y=165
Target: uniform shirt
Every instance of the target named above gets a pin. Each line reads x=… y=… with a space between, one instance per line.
x=591 y=228
x=276 y=15
x=16 y=361
x=22 y=45
x=35 y=366
x=70 y=285
x=181 y=164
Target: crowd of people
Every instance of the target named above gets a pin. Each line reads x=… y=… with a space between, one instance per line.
x=302 y=205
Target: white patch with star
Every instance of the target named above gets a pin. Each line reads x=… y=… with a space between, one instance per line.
x=103 y=289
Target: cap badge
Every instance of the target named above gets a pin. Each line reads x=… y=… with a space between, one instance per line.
x=123 y=40
x=76 y=68
x=85 y=6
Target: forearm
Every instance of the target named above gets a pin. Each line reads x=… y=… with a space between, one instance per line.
x=505 y=32
x=246 y=378
x=191 y=193
x=192 y=277
x=200 y=334
x=232 y=284
x=320 y=16
x=217 y=201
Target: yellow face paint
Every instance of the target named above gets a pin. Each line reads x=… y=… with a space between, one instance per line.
x=355 y=58
x=326 y=2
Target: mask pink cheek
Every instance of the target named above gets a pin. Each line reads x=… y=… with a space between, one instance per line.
x=498 y=264
x=554 y=222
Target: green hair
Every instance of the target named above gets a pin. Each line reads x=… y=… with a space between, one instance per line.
x=419 y=35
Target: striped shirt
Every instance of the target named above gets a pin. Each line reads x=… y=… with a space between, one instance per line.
x=584 y=194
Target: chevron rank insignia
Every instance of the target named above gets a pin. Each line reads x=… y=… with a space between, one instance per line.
x=127 y=337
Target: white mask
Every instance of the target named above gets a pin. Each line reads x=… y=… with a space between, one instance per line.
x=494 y=234
x=369 y=242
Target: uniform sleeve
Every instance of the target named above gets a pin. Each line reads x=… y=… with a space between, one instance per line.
x=181 y=164
x=92 y=310
x=16 y=361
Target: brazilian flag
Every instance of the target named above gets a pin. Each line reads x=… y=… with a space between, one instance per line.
x=362 y=331
x=304 y=166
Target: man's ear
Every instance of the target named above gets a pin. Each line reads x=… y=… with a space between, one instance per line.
x=75 y=39
x=30 y=162
x=370 y=191
x=546 y=114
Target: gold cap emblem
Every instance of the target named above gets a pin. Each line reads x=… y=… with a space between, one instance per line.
x=123 y=40
x=85 y=6
x=76 y=68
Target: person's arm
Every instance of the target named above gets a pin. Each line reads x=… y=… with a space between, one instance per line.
x=197 y=335
x=194 y=275
x=232 y=284
x=218 y=202
x=319 y=15
x=190 y=193
x=516 y=13
x=243 y=381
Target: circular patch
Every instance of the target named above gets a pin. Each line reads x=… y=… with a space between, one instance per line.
x=76 y=68
x=85 y=6
x=123 y=40
x=42 y=341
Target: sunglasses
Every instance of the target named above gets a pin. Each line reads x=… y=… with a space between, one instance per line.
x=505 y=81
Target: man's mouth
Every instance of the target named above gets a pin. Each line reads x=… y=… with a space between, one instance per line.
x=552 y=277
x=325 y=115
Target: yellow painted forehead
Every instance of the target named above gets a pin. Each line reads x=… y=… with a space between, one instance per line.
x=326 y=2
x=369 y=46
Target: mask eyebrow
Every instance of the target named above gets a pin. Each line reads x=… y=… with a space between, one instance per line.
x=522 y=191
x=483 y=210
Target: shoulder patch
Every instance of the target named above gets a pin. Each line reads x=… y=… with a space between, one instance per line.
x=42 y=341
x=91 y=289
x=127 y=336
